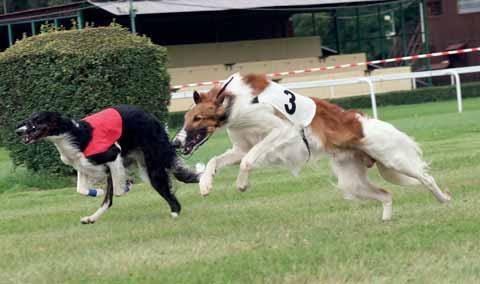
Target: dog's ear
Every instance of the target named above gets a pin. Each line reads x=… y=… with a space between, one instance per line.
x=196 y=97
x=220 y=98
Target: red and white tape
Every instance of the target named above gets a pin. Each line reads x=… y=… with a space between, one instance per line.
x=341 y=66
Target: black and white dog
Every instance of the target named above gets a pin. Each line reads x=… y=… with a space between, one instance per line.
x=104 y=144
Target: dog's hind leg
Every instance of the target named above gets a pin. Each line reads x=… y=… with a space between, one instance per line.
x=398 y=152
x=83 y=186
x=119 y=176
x=353 y=181
x=107 y=203
x=406 y=160
x=160 y=181
x=418 y=171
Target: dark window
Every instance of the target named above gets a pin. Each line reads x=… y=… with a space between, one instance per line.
x=435 y=7
x=468 y=6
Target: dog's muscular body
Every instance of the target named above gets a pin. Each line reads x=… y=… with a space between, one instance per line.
x=141 y=141
x=261 y=134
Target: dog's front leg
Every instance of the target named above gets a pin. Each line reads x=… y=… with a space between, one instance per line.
x=107 y=203
x=230 y=157
x=247 y=163
x=83 y=186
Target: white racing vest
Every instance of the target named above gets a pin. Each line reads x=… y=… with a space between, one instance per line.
x=298 y=109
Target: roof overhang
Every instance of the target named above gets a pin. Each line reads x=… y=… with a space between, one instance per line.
x=120 y=8
x=41 y=14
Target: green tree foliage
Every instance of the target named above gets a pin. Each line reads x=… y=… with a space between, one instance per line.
x=77 y=72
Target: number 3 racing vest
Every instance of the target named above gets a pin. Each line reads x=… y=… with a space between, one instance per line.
x=300 y=110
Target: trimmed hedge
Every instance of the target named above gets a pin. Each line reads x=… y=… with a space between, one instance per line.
x=423 y=95
x=77 y=72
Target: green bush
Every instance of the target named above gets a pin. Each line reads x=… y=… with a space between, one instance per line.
x=423 y=95
x=77 y=72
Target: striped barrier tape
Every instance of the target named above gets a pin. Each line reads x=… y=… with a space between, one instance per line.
x=340 y=66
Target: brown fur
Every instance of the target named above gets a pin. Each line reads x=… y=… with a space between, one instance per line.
x=207 y=113
x=336 y=127
x=257 y=82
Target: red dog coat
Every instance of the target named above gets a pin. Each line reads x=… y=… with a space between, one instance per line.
x=107 y=129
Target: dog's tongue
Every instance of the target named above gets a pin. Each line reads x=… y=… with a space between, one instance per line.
x=27 y=140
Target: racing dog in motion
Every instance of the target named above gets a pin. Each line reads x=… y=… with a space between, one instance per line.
x=102 y=145
x=269 y=124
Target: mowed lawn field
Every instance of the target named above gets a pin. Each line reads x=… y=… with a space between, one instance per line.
x=284 y=229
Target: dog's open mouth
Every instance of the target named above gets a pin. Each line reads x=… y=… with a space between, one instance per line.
x=30 y=136
x=195 y=140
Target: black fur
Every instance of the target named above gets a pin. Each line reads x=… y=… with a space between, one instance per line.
x=141 y=132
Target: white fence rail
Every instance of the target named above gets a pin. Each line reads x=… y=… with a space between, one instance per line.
x=454 y=73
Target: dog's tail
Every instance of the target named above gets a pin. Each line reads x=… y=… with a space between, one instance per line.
x=183 y=173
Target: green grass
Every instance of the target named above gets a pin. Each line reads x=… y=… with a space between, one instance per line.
x=19 y=179
x=282 y=230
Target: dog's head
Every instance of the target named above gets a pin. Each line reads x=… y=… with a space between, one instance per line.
x=39 y=125
x=208 y=114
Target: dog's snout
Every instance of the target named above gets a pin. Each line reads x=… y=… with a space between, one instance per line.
x=176 y=143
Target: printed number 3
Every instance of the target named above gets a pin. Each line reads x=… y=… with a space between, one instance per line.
x=290 y=109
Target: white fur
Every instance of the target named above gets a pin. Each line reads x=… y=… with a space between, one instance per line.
x=72 y=156
x=88 y=173
x=259 y=137
x=84 y=184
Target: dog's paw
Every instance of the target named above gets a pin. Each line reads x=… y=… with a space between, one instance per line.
x=448 y=195
x=200 y=168
x=126 y=189
x=174 y=214
x=87 y=220
x=242 y=183
x=205 y=184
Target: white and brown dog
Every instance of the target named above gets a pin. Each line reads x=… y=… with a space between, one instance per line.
x=268 y=124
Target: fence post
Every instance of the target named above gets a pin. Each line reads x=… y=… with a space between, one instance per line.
x=80 y=20
x=459 y=89
x=32 y=26
x=372 y=96
x=332 y=92
x=10 y=34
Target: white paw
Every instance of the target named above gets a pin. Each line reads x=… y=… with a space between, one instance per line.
x=174 y=214
x=387 y=211
x=200 y=168
x=242 y=183
x=87 y=220
x=448 y=195
x=205 y=184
